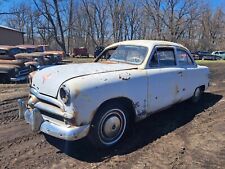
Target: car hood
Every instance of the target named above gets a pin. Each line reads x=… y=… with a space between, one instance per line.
x=48 y=81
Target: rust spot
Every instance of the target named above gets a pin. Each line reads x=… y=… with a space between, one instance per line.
x=77 y=92
x=177 y=89
x=108 y=62
x=46 y=77
x=136 y=105
x=124 y=76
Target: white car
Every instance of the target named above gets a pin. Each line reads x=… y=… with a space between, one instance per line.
x=129 y=81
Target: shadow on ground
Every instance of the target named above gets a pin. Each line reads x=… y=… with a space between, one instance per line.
x=144 y=132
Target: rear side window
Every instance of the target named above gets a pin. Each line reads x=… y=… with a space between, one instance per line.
x=183 y=58
x=163 y=57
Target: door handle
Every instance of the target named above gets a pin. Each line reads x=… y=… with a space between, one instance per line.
x=180 y=73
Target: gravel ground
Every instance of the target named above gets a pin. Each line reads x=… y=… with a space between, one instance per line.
x=184 y=136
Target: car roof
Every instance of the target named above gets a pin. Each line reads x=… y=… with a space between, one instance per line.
x=219 y=51
x=146 y=43
x=26 y=46
x=7 y=47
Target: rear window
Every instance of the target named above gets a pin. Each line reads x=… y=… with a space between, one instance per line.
x=183 y=58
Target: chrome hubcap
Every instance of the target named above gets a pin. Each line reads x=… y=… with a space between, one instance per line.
x=197 y=93
x=112 y=126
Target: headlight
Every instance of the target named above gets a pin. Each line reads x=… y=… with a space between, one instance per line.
x=16 y=70
x=64 y=95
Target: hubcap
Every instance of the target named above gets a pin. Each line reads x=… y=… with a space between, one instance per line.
x=197 y=93
x=112 y=126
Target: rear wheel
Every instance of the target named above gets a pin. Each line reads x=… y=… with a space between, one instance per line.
x=197 y=95
x=4 y=78
x=109 y=125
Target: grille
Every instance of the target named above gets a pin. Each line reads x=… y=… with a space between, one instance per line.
x=54 y=116
x=23 y=72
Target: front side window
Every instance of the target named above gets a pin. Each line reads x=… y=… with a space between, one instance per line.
x=183 y=58
x=163 y=57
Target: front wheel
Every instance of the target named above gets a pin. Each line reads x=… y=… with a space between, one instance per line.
x=109 y=125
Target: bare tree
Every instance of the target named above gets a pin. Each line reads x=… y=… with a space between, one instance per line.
x=49 y=10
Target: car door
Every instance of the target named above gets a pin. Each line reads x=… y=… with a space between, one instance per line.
x=163 y=79
x=189 y=72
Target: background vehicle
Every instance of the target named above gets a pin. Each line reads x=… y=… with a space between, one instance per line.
x=37 y=59
x=11 y=69
x=201 y=55
x=98 y=50
x=82 y=51
x=219 y=53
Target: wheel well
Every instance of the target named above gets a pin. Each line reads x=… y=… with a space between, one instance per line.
x=124 y=101
x=202 y=88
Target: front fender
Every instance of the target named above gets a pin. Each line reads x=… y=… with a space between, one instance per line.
x=89 y=92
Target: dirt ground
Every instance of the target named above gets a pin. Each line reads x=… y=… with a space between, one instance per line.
x=184 y=136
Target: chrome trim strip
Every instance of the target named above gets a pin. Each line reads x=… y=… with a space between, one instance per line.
x=53 y=110
x=49 y=108
x=48 y=99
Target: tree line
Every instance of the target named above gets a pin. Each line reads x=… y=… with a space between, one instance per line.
x=66 y=24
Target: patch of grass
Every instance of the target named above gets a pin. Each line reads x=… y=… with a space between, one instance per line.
x=200 y=62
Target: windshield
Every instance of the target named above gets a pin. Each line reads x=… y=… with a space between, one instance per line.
x=3 y=52
x=129 y=54
x=30 y=50
x=14 y=51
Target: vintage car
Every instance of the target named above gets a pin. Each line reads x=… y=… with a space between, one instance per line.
x=220 y=54
x=202 y=55
x=129 y=81
x=81 y=51
x=39 y=59
x=31 y=48
x=11 y=70
x=98 y=50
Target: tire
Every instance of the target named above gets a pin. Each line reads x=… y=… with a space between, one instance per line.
x=197 y=95
x=4 y=79
x=109 y=126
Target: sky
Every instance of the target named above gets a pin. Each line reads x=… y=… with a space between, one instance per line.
x=7 y=4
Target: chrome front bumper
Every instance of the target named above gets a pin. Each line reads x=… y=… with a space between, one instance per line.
x=37 y=122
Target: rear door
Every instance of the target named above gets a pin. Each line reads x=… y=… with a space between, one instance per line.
x=163 y=79
x=189 y=73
